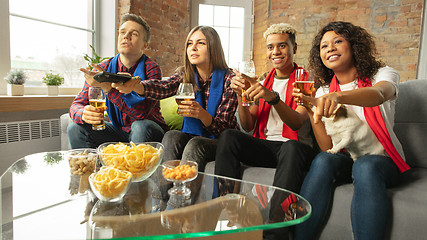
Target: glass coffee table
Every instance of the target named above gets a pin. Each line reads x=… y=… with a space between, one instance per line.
x=41 y=199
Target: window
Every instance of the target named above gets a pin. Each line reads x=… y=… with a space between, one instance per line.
x=233 y=22
x=53 y=35
x=50 y=35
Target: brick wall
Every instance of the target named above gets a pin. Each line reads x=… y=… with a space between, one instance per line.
x=261 y=22
x=396 y=26
x=170 y=24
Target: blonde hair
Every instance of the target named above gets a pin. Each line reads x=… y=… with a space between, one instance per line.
x=281 y=28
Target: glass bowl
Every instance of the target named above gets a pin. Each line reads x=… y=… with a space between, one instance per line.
x=141 y=159
x=110 y=184
x=179 y=172
x=82 y=161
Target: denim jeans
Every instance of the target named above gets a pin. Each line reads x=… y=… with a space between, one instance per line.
x=82 y=135
x=370 y=206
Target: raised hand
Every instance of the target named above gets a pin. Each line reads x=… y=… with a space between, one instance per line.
x=128 y=86
x=91 y=81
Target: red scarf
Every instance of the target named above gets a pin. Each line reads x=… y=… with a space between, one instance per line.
x=292 y=198
x=376 y=122
x=261 y=192
x=264 y=107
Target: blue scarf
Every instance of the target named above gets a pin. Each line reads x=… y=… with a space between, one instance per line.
x=195 y=126
x=130 y=99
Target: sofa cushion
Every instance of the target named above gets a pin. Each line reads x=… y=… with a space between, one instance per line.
x=168 y=108
x=250 y=174
x=411 y=121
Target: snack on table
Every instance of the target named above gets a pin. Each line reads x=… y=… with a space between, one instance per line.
x=137 y=159
x=110 y=182
x=181 y=172
x=82 y=161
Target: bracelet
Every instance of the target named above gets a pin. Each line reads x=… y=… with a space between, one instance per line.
x=276 y=99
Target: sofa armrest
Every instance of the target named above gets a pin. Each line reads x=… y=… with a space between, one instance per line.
x=65 y=121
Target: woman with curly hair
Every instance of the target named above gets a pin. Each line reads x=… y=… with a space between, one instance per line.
x=347 y=72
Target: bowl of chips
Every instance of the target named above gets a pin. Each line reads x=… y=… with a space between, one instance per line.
x=141 y=159
x=110 y=184
x=179 y=172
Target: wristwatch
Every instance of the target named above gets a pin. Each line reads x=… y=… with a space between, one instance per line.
x=276 y=99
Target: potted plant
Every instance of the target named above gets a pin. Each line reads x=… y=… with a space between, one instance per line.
x=53 y=81
x=16 y=79
x=94 y=59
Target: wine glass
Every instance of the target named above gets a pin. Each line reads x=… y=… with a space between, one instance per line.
x=97 y=100
x=303 y=83
x=247 y=68
x=171 y=171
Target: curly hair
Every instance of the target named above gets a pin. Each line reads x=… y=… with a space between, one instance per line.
x=362 y=46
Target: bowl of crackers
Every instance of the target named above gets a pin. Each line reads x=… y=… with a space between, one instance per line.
x=110 y=184
x=140 y=159
x=82 y=161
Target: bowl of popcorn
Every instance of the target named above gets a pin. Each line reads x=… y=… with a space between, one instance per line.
x=110 y=184
x=179 y=172
x=82 y=161
x=140 y=159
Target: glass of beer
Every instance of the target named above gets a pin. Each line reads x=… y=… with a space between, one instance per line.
x=185 y=93
x=247 y=68
x=303 y=83
x=97 y=100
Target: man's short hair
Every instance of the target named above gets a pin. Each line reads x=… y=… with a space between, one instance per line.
x=141 y=21
x=281 y=28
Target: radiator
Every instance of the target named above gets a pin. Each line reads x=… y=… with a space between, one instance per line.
x=18 y=139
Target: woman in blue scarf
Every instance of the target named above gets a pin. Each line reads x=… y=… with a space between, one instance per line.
x=214 y=108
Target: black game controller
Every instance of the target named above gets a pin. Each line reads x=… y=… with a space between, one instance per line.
x=111 y=77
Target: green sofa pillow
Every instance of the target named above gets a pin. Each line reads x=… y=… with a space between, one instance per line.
x=168 y=108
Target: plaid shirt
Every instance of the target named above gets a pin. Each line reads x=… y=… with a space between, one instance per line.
x=147 y=109
x=225 y=113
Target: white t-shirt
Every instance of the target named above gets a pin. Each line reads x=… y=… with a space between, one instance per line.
x=386 y=74
x=274 y=128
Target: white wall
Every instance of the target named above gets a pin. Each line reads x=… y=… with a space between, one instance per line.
x=107 y=34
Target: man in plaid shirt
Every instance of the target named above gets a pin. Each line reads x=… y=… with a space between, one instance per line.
x=133 y=118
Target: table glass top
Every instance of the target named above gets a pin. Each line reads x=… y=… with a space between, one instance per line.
x=40 y=197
